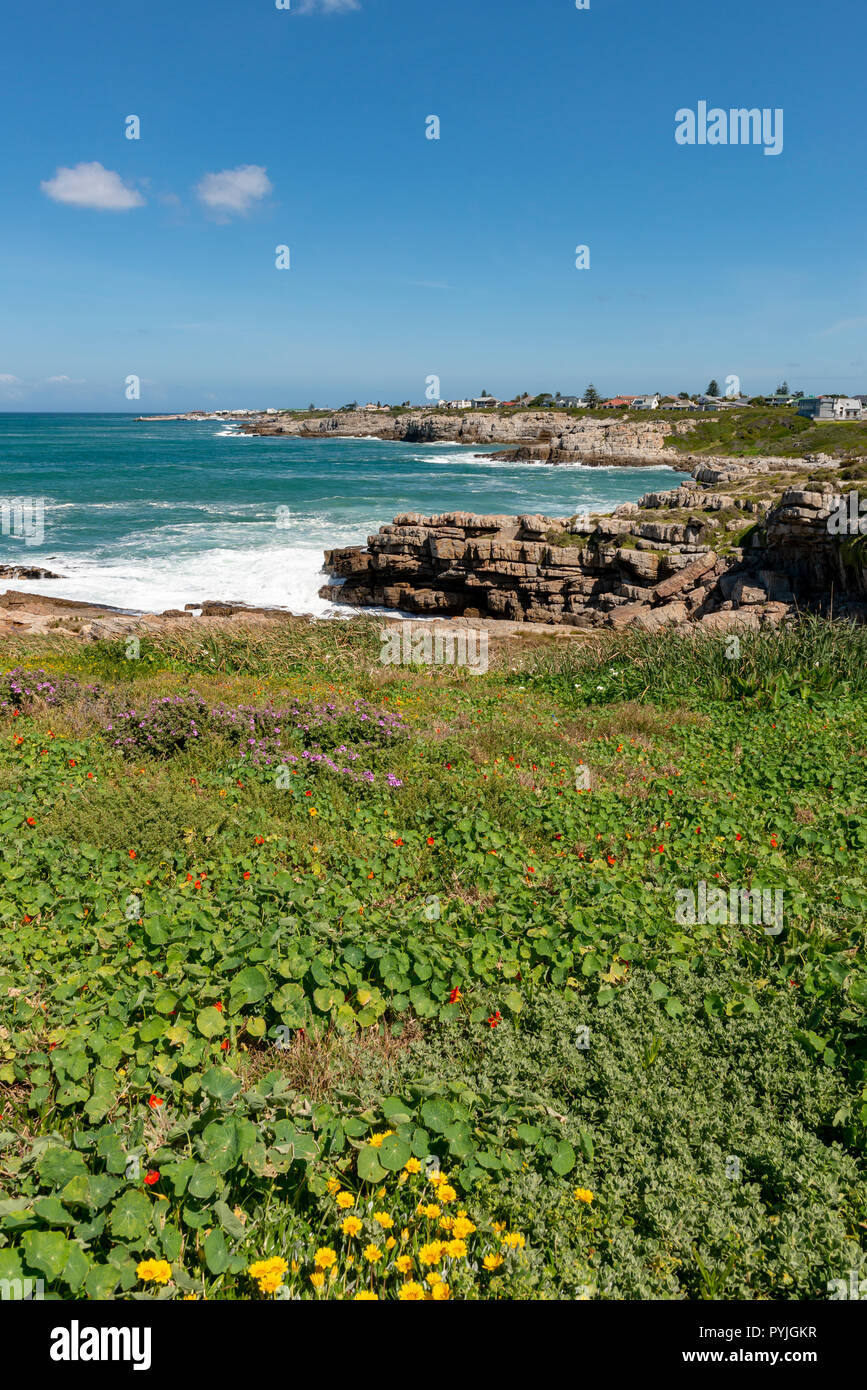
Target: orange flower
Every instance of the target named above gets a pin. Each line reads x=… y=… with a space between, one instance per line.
x=152 y=1177
x=155 y=1102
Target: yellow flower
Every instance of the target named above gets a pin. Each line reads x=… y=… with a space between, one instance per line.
x=514 y=1240
x=383 y=1219
x=441 y=1293
x=447 y=1223
x=403 y=1264
x=372 y=1253
x=333 y=1185
x=351 y=1226
x=431 y=1211
x=366 y=1297
x=582 y=1194
x=499 y=1226
x=412 y=1165
x=154 y=1271
x=317 y=1280
x=381 y=1192
x=411 y=1292
x=313 y=811
x=432 y=1253
x=492 y=1261
x=445 y=1193
x=433 y=1279
x=457 y=1249
x=375 y=1140
x=462 y=1227
x=404 y=1235
x=436 y=1178
x=345 y=1200
x=390 y=1243
x=270 y=1283
x=324 y=1257
x=263 y=1269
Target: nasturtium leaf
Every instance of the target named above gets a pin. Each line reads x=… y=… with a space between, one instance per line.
x=369 y=1167
x=130 y=1216
x=210 y=1022
x=394 y=1153
x=216 y=1251
x=563 y=1160
x=47 y=1251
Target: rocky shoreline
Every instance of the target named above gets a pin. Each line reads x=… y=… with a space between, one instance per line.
x=739 y=545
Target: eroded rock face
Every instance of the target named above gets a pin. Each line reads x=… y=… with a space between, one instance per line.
x=704 y=552
x=537 y=434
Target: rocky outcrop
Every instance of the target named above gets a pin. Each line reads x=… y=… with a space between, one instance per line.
x=706 y=552
x=555 y=436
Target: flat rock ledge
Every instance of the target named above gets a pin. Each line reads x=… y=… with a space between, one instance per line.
x=737 y=546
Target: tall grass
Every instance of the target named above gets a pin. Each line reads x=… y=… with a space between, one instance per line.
x=811 y=660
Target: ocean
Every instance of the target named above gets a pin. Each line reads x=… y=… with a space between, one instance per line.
x=147 y=516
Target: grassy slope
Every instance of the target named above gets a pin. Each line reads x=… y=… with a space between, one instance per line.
x=638 y=1059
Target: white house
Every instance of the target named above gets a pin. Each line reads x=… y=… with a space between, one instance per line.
x=480 y=402
x=645 y=403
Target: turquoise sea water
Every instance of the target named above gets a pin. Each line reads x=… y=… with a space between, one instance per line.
x=154 y=515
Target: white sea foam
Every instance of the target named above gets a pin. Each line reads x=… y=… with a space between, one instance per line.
x=265 y=577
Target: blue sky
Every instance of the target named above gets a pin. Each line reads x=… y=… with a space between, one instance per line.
x=413 y=257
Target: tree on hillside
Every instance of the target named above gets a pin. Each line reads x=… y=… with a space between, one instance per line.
x=591 y=396
x=783 y=390
x=683 y=395
x=484 y=393
x=713 y=387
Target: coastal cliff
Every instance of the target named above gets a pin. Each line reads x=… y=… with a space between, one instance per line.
x=554 y=436
x=738 y=545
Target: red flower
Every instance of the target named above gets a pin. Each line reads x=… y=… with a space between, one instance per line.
x=155 y=1102
x=132 y=854
x=219 y=1006
x=197 y=883
x=662 y=849
x=246 y=873
x=398 y=842
x=224 y=1045
x=494 y=1019
x=455 y=995
x=90 y=774
x=739 y=837
x=611 y=859
x=72 y=762
x=774 y=842
x=430 y=839
x=530 y=869
x=30 y=820
x=152 y=1177
x=259 y=840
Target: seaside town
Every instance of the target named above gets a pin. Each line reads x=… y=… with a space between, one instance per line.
x=828 y=407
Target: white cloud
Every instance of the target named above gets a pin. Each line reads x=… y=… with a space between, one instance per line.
x=234 y=190
x=9 y=387
x=64 y=380
x=326 y=6
x=92 y=186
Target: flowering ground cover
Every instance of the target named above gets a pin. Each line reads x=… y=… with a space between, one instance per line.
x=320 y=979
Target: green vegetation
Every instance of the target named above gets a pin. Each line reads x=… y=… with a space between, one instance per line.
x=776 y=430
x=227 y=998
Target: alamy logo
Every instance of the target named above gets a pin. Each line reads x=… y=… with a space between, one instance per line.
x=20 y=1290
x=23 y=519
x=76 y=1343
x=441 y=647
x=838 y=1288
x=738 y=907
x=739 y=126
x=849 y=517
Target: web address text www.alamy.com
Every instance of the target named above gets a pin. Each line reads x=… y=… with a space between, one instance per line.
x=771 y=1358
